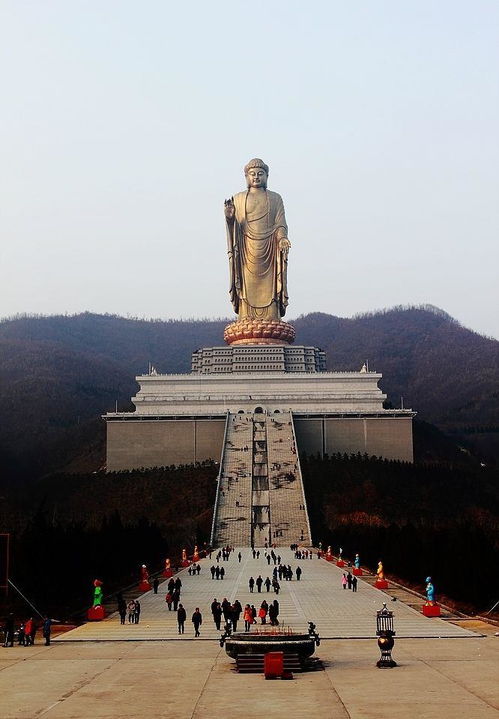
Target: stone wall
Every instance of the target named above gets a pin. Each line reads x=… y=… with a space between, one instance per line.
x=133 y=444
x=156 y=442
x=388 y=437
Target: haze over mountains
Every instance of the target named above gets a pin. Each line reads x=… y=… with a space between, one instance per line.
x=58 y=374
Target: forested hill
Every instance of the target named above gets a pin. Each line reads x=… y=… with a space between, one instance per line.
x=58 y=373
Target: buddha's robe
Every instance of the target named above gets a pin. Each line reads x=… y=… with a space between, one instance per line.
x=258 y=268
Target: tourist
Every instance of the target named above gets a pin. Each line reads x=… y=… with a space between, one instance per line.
x=171 y=585
x=253 y=613
x=181 y=617
x=169 y=600
x=268 y=584
x=121 y=607
x=236 y=613
x=30 y=631
x=8 y=631
x=21 y=635
x=175 y=599
x=198 y=569
x=137 y=611
x=197 y=620
x=131 y=611
x=262 y=613
x=248 y=618
x=354 y=583
x=349 y=580
x=259 y=582
x=298 y=574
x=178 y=584
x=344 y=581
x=226 y=609
x=47 y=629
x=217 y=614
x=251 y=584
x=212 y=570
x=222 y=572
x=217 y=572
x=239 y=557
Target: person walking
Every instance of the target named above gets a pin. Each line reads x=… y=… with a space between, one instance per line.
x=349 y=580
x=212 y=571
x=217 y=614
x=171 y=585
x=131 y=611
x=262 y=613
x=155 y=585
x=268 y=584
x=354 y=583
x=197 y=620
x=169 y=600
x=298 y=574
x=259 y=582
x=344 y=581
x=175 y=599
x=248 y=618
x=121 y=607
x=236 y=613
x=181 y=617
x=222 y=572
x=239 y=557
x=251 y=584
x=217 y=572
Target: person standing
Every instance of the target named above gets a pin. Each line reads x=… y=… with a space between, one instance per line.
x=197 y=620
x=169 y=600
x=354 y=583
x=259 y=582
x=251 y=584
x=121 y=608
x=181 y=617
x=248 y=618
x=222 y=572
x=175 y=599
x=298 y=574
x=30 y=630
x=268 y=584
x=262 y=613
x=155 y=585
x=344 y=581
x=137 y=611
x=239 y=557
x=349 y=580
x=47 y=629
x=212 y=571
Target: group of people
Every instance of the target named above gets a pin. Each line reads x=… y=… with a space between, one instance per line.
x=217 y=572
x=250 y=614
x=172 y=597
x=26 y=631
x=349 y=581
x=194 y=569
x=197 y=620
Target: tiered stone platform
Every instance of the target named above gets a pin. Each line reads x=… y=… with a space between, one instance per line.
x=319 y=596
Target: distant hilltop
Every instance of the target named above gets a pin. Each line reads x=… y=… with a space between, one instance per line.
x=58 y=374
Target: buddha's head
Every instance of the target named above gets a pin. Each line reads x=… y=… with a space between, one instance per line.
x=256 y=173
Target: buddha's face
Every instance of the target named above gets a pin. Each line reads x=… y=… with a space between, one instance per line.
x=256 y=177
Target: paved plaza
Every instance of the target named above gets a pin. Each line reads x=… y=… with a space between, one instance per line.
x=105 y=671
x=318 y=597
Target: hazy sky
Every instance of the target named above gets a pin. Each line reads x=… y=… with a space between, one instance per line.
x=124 y=125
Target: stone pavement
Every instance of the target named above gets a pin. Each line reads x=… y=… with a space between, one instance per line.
x=318 y=597
x=435 y=679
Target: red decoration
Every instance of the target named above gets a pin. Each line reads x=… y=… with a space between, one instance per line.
x=167 y=573
x=96 y=614
x=381 y=584
x=144 y=585
x=357 y=571
x=431 y=610
x=273 y=665
x=340 y=563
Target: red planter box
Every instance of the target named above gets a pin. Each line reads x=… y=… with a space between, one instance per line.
x=431 y=610
x=328 y=558
x=96 y=614
x=357 y=572
x=340 y=563
x=381 y=584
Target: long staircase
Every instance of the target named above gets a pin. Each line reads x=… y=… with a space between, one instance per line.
x=260 y=497
x=232 y=519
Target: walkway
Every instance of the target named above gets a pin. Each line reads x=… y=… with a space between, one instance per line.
x=318 y=597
